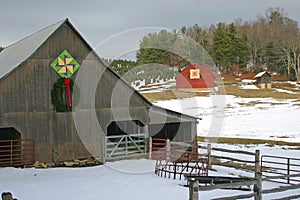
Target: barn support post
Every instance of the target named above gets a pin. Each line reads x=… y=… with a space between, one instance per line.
x=126 y=146
x=168 y=149
x=209 y=156
x=104 y=149
x=193 y=189
x=150 y=148
x=258 y=176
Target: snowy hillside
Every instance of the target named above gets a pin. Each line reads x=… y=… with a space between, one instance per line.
x=258 y=118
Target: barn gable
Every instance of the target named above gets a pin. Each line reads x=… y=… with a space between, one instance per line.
x=26 y=82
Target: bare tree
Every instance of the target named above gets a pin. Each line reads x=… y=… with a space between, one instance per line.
x=288 y=46
x=257 y=41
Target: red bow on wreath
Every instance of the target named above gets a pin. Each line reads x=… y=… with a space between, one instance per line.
x=67 y=82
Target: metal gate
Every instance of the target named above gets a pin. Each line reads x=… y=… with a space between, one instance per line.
x=17 y=152
x=125 y=146
x=281 y=166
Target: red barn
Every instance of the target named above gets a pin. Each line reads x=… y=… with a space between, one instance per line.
x=194 y=76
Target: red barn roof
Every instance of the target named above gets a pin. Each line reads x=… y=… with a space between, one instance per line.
x=194 y=76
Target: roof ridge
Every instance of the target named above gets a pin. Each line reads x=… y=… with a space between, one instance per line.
x=28 y=36
x=18 y=52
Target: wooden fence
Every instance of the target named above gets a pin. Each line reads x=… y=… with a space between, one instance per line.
x=214 y=155
x=256 y=181
x=259 y=194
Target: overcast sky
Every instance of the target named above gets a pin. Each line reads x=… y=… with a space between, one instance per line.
x=98 y=20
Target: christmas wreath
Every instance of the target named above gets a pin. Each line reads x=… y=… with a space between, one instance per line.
x=64 y=85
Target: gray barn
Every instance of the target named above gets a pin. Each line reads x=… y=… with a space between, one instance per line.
x=263 y=80
x=34 y=104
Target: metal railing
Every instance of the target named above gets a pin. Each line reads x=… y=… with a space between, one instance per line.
x=125 y=146
x=279 y=165
x=177 y=159
x=17 y=152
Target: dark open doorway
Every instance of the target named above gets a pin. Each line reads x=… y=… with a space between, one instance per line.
x=125 y=127
x=180 y=130
x=9 y=133
x=10 y=147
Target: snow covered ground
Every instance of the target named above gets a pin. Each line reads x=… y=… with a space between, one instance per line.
x=259 y=118
x=122 y=180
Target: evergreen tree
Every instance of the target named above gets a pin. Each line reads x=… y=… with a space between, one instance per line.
x=156 y=48
x=228 y=48
x=121 y=66
x=222 y=49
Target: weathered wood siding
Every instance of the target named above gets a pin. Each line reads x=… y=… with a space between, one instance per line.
x=26 y=100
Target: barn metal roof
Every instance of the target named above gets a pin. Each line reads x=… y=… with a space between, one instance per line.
x=17 y=53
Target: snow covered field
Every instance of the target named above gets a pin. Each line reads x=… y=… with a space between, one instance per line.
x=259 y=118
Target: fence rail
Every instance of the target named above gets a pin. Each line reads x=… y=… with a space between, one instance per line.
x=17 y=152
x=231 y=155
x=279 y=165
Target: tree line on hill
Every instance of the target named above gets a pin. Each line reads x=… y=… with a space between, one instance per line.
x=270 y=42
x=144 y=74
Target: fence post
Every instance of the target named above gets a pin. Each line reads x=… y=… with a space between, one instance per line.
x=258 y=176
x=209 y=156
x=257 y=161
x=193 y=189
x=150 y=148
x=258 y=186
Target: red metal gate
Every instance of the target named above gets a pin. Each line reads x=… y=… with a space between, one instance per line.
x=176 y=159
x=17 y=152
